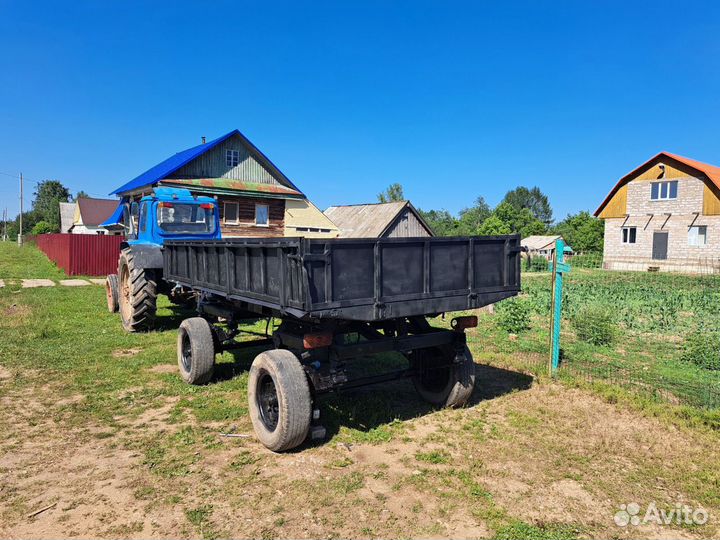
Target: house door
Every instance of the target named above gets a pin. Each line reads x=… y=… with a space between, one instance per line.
x=660 y=245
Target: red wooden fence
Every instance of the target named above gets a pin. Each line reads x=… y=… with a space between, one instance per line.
x=82 y=254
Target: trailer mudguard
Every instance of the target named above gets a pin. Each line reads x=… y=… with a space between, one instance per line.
x=148 y=256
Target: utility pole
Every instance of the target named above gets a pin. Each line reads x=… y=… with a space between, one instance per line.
x=20 y=239
x=4 y=237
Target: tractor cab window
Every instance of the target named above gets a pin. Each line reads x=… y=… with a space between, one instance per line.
x=130 y=218
x=144 y=216
x=182 y=218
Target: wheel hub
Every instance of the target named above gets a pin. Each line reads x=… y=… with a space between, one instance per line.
x=186 y=353
x=267 y=399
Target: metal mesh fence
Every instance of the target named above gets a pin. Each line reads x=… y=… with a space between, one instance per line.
x=652 y=332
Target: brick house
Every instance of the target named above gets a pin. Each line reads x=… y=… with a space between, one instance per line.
x=254 y=197
x=664 y=216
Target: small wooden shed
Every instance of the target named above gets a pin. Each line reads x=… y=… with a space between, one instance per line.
x=382 y=220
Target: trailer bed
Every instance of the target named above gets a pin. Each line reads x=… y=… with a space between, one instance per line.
x=350 y=279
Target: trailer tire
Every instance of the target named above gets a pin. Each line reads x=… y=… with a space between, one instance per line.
x=137 y=294
x=444 y=387
x=196 y=351
x=280 y=400
x=111 y=292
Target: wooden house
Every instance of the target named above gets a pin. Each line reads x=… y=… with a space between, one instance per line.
x=382 y=220
x=88 y=214
x=664 y=216
x=254 y=197
x=542 y=246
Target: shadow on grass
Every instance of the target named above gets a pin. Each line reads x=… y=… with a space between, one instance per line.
x=374 y=410
x=166 y=323
x=372 y=413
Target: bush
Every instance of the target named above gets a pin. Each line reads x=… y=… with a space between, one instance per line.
x=594 y=324
x=702 y=348
x=536 y=264
x=43 y=227
x=586 y=260
x=514 y=315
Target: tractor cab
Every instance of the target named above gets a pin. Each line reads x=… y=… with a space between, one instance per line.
x=170 y=214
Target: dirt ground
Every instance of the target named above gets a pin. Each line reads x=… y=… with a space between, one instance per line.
x=562 y=460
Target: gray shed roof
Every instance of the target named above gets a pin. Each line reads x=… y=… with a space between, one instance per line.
x=67 y=216
x=539 y=242
x=367 y=220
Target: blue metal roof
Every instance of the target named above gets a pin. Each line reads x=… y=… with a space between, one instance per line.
x=172 y=164
x=117 y=216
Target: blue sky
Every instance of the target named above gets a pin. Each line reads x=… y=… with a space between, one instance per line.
x=453 y=100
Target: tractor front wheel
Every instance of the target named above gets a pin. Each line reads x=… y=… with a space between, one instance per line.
x=137 y=294
x=112 y=293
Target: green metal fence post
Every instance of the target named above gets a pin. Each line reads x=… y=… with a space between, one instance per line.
x=558 y=268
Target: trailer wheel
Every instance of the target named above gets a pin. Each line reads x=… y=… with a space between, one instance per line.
x=449 y=386
x=111 y=292
x=196 y=350
x=137 y=294
x=280 y=402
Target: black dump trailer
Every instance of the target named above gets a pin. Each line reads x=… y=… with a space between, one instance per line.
x=337 y=300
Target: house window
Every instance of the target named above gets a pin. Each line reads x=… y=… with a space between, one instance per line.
x=230 y=213
x=629 y=235
x=232 y=157
x=262 y=215
x=663 y=191
x=697 y=236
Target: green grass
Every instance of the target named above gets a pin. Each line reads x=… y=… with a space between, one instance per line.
x=71 y=358
x=26 y=262
x=520 y=529
x=650 y=316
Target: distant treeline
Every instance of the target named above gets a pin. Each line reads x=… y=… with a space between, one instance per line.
x=525 y=211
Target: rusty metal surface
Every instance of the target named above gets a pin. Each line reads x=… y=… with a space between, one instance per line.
x=230 y=185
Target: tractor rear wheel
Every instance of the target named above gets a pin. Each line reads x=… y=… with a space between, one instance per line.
x=137 y=294
x=112 y=292
x=440 y=380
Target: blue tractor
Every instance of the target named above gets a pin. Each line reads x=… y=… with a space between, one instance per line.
x=167 y=214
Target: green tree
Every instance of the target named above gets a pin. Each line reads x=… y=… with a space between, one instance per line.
x=472 y=218
x=30 y=218
x=534 y=200
x=582 y=231
x=43 y=227
x=494 y=225
x=441 y=222
x=80 y=195
x=520 y=221
x=393 y=193
x=48 y=196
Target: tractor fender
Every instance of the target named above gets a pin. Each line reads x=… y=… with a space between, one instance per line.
x=147 y=256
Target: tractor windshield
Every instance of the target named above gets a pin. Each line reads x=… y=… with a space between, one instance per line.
x=181 y=218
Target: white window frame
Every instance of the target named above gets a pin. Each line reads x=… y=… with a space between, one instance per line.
x=694 y=237
x=664 y=184
x=232 y=157
x=258 y=205
x=237 y=213
x=626 y=236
